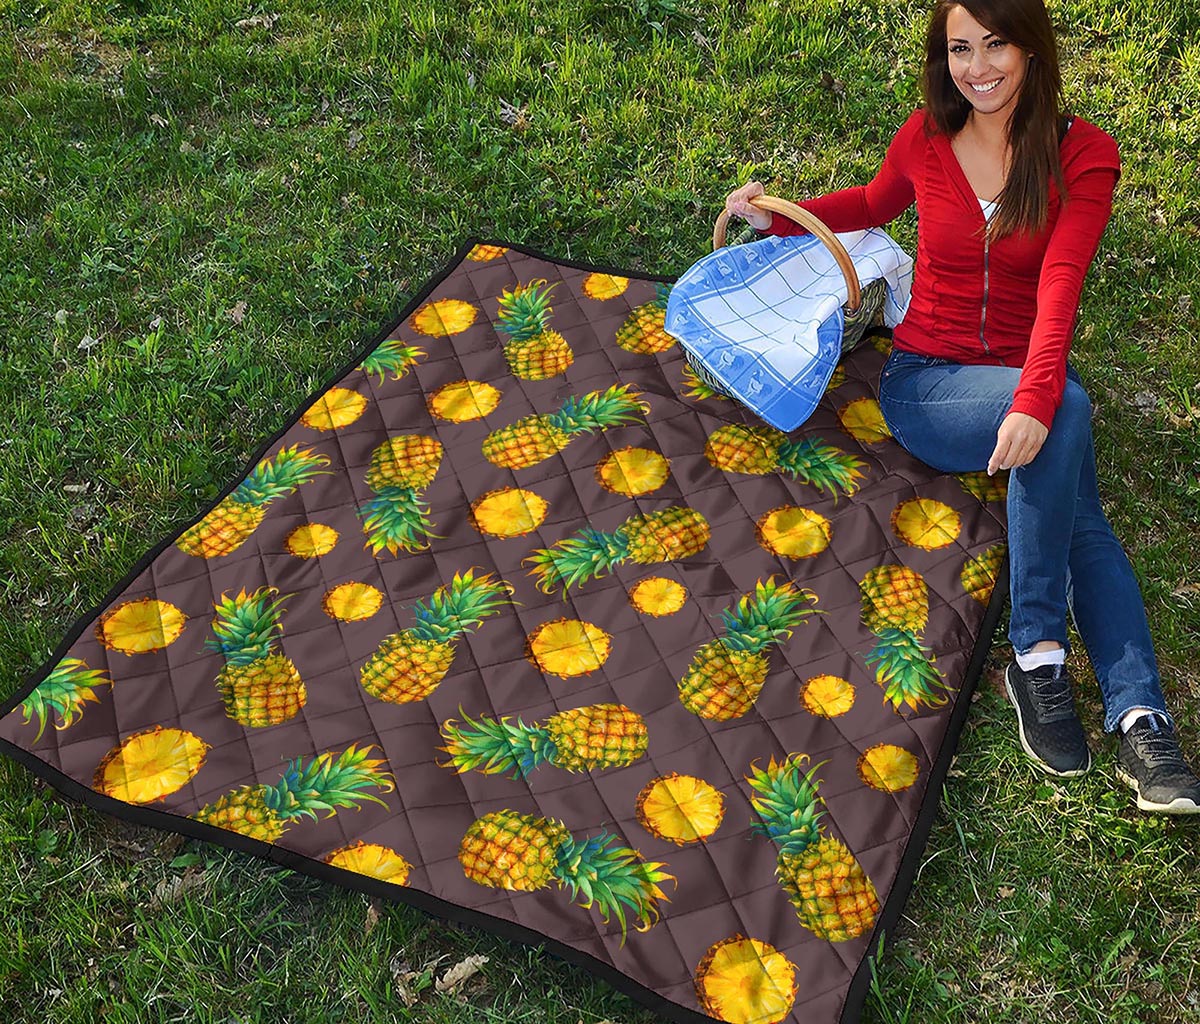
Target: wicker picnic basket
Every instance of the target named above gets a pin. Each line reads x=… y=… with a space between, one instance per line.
x=861 y=310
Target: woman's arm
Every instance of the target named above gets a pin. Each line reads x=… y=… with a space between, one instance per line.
x=1069 y=253
x=878 y=202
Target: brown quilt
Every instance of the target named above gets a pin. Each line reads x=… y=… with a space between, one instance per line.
x=518 y=623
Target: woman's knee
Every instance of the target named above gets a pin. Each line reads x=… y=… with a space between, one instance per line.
x=1074 y=416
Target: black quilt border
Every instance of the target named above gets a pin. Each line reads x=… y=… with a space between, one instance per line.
x=671 y=1011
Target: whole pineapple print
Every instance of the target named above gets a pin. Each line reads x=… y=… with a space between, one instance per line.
x=895 y=607
x=510 y=850
x=392 y=356
x=323 y=784
x=646 y=539
x=533 y=351
x=979 y=574
x=746 y=981
x=228 y=526
x=533 y=439
x=409 y=665
x=150 y=764
x=832 y=896
x=644 y=331
x=727 y=673
x=259 y=685
x=483 y=253
x=65 y=692
x=401 y=468
x=760 y=450
x=581 y=739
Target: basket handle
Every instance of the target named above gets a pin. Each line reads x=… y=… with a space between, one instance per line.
x=805 y=219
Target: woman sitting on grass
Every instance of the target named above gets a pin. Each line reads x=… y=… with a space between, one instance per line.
x=1012 y=199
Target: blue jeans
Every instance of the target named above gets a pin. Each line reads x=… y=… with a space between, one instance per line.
x=1063 y=555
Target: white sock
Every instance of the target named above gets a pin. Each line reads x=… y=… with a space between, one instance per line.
x=1028 y=662
x=1130 y=717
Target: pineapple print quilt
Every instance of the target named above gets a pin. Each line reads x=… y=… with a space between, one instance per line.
x=520 y=624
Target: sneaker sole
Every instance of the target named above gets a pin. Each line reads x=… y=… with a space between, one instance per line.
x=1073 y=773
x=1180 y=805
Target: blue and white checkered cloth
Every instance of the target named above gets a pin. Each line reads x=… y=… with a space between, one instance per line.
x=765 y=319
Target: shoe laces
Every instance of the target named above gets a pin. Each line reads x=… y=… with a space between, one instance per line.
x=1158 y=749
x=1052 y=693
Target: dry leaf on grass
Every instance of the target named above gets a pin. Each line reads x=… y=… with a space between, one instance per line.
x=372 y=918
x=257 y=21
x=460 y=973
x=237 y=313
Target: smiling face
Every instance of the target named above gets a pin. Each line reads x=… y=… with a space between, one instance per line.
x=987 y=69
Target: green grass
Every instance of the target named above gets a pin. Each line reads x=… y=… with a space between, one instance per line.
x=159 y=166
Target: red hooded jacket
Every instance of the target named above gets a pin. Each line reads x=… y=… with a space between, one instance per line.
x=1011 y=302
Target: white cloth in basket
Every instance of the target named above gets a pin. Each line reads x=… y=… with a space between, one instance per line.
x=765 y=319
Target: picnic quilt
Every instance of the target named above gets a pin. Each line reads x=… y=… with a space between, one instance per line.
x=519 y=623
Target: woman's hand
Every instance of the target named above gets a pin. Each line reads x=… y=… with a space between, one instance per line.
x=1018 y=441
x=737 y=203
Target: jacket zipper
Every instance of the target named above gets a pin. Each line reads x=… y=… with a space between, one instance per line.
x=983 y=311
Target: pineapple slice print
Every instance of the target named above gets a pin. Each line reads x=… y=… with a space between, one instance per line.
x=392 y=356
x=352 y=602
x=838 y=378
x=311 y=540
x=323 y=784
x=926 y=523
x=727 y=674
x=604 y=286
x=401 y=468
x=827 y=696
x=632 y=471
x=832 y=896
x=228 y=526
x=680 y=808
x=508 y=512
x=568 y=647
x=409 y=665
x=895 y=607
x=150 y=765
x=337 y=407
x=793 y=532
x=510 y=850
x=259 y=685
x=985 y=488
x=746 y=981
x=980 y=573
x=533 y=439
x=484 y=253
x=443 y=318
x=463 y=400
x=658 y=596
x=139 y=627
x=533 y=351
x=888 y=768
x=371 y=859
x=760 y=450
x=646 y=539
x=64 y=692
x=863 y=420
x=580 y=740
x=644 y=331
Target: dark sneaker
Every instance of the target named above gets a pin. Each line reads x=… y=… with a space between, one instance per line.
x=1149 y=760
x=1051 y=732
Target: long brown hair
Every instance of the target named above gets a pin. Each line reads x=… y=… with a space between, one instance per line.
x=1038 y=121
